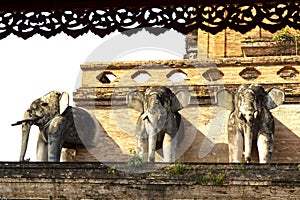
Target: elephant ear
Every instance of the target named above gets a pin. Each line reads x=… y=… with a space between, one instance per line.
x=135 y=100
x=180 y=100
x=63 y=102
x=274 y=98
x=225 y=99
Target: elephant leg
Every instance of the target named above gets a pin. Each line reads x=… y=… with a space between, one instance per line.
x=169 y=148
x=54 y=147
x=42 y=149
x=55 y=138
x=152 y=147
x=235 y=146
x=142 y=148
x=265 y=148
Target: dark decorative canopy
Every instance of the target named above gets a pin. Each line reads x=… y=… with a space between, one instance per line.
x=25 y=18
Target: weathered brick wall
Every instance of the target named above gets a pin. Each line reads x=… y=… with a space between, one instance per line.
x=227 y=43
x=194 y=181
x=205 y=139
x=191 y=45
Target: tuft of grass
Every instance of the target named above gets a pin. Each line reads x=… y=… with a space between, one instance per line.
x=113 y=171
x=178 y=168
x=219 y=179
x=214 y=179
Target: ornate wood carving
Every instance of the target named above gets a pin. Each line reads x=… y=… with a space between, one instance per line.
x=48 y=18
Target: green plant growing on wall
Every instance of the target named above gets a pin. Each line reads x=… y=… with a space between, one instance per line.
x=219 y=179
x=214 y=179
x=134 y=161
x=178 y=167
x=284 y=35
x=113 y=171
x=287 y=37
x=205 y=179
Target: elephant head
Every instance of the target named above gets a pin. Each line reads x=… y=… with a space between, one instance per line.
x=40 y=113
x=159 y=121
x=250 y=119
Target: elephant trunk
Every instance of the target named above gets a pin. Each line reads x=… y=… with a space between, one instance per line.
x=25 y=135
x=248 y=143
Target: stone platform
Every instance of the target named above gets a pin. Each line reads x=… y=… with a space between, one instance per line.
x=178 y=181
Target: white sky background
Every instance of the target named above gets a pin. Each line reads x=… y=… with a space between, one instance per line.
x=33 y=67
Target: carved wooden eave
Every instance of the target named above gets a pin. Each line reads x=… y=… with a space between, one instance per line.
x=26 y=18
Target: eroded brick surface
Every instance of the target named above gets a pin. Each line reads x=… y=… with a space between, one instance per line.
x=197 y=181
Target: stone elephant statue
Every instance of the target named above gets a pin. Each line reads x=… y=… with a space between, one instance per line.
x=159 y=124
x=250 y=120
x=60 y=126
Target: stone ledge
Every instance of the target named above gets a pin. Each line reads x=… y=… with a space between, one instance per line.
x=234 y=174
x=196 y=180
x=191 y=63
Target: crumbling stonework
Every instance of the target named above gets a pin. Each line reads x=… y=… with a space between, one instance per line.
x=195 y=181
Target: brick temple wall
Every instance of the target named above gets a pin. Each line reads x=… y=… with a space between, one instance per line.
x=205 y=138
x=227 y=43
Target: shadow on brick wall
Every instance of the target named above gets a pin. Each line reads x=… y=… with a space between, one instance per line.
x=107 y=150
x=286 y=144
x=201 y=148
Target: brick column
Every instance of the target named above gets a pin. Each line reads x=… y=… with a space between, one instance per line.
x=191 y=45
